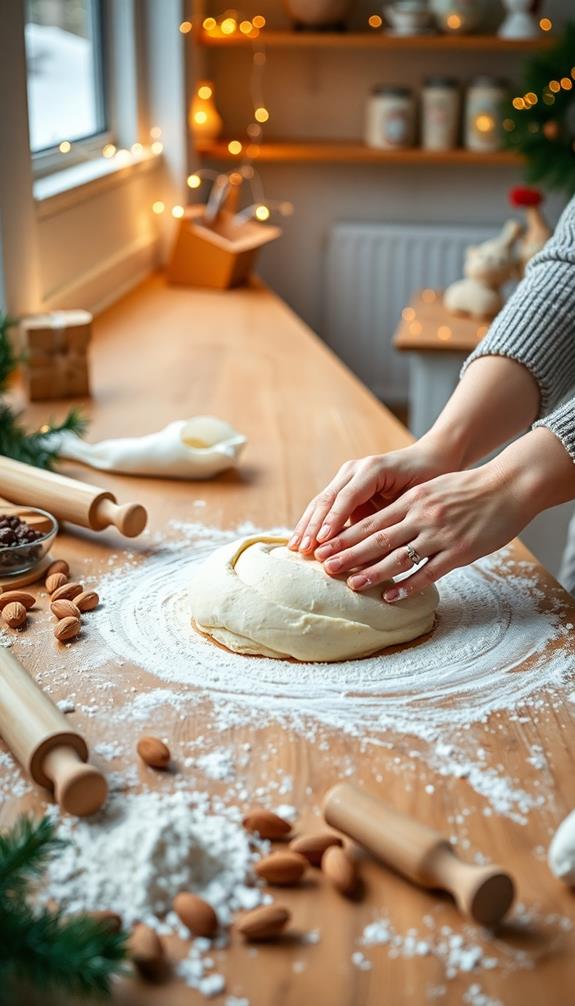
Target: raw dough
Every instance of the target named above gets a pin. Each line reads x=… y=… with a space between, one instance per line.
x=256 y=596
x=195 y=448
x=562 y=851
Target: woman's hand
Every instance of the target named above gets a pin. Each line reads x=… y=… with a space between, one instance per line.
x=362 y=487
x=450 y=521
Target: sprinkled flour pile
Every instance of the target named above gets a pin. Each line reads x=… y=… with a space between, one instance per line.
x=143 y=849
x=490 y=623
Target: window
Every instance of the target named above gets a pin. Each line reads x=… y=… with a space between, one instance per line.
x=65 y=78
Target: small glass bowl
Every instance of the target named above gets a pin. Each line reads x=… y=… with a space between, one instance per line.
x=18 y=559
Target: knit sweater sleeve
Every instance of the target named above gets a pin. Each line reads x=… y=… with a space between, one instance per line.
x=537 y=325
x=561 y=422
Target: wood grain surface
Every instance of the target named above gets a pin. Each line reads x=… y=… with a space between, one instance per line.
x=168 y=353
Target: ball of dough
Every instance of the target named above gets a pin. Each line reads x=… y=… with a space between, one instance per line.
x=562 y=851
x=257 y=596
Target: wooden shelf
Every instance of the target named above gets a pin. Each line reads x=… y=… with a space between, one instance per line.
x=354 y=152
x=377 y=40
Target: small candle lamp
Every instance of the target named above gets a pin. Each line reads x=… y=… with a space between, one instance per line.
x=204 y=119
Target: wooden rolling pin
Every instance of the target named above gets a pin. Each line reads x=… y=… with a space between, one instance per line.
x=484 y=893
x=69 y=499
x=39 y=737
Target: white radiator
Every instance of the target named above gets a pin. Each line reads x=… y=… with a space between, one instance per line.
x=372 y=271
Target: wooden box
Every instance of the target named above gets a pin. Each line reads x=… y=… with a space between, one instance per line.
x=56 y=355
x=219 y=255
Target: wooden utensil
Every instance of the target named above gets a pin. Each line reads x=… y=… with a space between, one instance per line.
x=485 y=893
x=69 y=499
x=39 y=737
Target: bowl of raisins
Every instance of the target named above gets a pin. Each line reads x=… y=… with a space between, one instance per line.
x=26 y=536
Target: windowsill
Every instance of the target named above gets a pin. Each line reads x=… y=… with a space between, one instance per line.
x=62 y=189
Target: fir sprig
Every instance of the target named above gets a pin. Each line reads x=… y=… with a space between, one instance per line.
x=36 y=448
x=40 y=947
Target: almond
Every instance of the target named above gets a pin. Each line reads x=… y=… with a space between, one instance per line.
x=282 y=868
x=340 y=869
x=58 y=566
x=110 y=921
x=266 y=824
x=154 y=752
x=314 y=846
x=196 y=914
x=147 y=952
x=19 y=596
x=14 y=614
x=265 y=923
x=67 y=628
x=54 y=581
x=64 y=609
x=67 y=592
x=87 y=600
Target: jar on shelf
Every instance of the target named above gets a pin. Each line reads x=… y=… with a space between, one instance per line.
x=390 y=117
x=483 y=114
x=439 y=113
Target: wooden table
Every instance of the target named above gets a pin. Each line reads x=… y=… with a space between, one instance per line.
x=437 y=342
x=165 y=353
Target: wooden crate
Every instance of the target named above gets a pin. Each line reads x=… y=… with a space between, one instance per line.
x=55 y=350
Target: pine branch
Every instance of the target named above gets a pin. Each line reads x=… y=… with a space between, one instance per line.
x=34 y=448
x=8 y=357
x=24 y=851
x=75 y=956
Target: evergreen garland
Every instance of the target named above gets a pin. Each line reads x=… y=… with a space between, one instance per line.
x=15 y=441
x=39 y=947
x=540 y=121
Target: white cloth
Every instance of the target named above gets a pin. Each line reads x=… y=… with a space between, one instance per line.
x=197 y=448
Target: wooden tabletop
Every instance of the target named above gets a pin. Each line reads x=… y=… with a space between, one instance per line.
x=166 y=353
x=426 y=325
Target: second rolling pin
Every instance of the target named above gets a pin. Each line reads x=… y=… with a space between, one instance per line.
x=485 y=893
x=38 y=735
x=69 y=499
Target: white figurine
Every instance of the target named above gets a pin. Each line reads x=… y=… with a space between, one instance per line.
x=197 y=448
x=519 y=21
x=487 y=267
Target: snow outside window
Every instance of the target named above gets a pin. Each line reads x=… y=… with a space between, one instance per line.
x=65 y=80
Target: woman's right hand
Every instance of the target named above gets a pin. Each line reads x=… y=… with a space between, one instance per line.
x=365 y=486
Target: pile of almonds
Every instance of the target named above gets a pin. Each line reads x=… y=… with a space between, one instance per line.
x=68 y=601
x=282 y=868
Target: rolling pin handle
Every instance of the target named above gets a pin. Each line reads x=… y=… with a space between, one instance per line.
x=130 y=518
x=483 y=893
x=79 y=788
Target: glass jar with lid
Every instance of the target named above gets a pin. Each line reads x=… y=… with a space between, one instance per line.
x=390 y=117
x=439 y=113
x=483 y=113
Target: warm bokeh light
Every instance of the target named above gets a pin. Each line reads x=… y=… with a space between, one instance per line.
x=158 y=207
x=408 y=314
x=545 y=23
x=193 y=181
x=259 y=21
x=205 y=92
x=454 y=22
x=209 y=23
x=444 y=333
x=155 y=132
x=261 y=114
x=185 y=27
x=123 y=156
x=228 y=25
x=262 y=212
x=484 y=123
x=245 y=27
x=177 y=212
x=554 y=86
x=200 y=117
x=375 y=21
x=566 y=83
x=235 y=178
x=518 y=103
x=157 y=147
x=137 y=149
x=65 y=147
x=235 y=147
x=109 y=150
x=530 y=98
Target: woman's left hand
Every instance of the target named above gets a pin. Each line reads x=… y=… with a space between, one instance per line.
x=450 y=521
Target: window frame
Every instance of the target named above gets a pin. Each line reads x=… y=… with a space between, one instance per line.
x=50 y=160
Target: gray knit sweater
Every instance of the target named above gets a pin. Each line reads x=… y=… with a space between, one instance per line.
x=537 y=328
